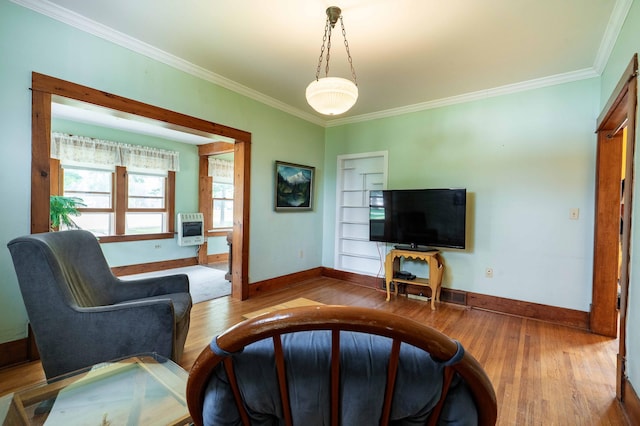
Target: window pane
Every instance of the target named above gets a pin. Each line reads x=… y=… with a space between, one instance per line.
x=223 y=190
x=96 y=201
x=222 y=213
x=93 y=187
x=146 y=191
x=146 y=203
x=144 y=223
x=100 y=224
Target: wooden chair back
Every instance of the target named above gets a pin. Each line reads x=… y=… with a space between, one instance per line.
x=340 y=318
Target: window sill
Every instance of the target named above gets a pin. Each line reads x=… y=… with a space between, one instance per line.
x=138 y=237
x=218 y=232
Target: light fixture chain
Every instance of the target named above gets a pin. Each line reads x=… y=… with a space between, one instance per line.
x=326 y=69
x=324 y=40
x=346 y=45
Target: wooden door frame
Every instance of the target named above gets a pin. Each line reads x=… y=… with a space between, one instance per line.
x=619 y=113
x=44 y=87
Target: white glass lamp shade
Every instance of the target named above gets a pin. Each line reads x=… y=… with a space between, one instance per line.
x=332 y=95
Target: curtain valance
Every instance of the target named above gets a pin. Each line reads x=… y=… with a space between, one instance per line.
x=86 y=151
x=221 y=170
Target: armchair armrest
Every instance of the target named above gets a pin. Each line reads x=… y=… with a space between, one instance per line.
x=97 y=334
x=146 y=287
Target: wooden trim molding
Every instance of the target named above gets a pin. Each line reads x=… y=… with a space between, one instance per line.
x=218 y=258
x=19 y=351
x=14 y=352
x=284 y=281
x=174 y=120
x=40 y=167
x=631 y=404
x=362 y=280
x=556 y=315
x=135 y=237
x=44 y=88
x=553 y=314
x=563 y=316
x=153 y=266
x=604 y=316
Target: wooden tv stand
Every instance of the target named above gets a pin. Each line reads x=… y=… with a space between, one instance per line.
x=436 y=268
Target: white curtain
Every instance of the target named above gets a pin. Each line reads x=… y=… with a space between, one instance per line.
x=221 y=170
x=85 y=151
x=144 y=157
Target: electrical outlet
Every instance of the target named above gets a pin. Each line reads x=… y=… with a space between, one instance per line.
x=157 y=246
x=488 y=272
x=301 y=254
x=574 y=214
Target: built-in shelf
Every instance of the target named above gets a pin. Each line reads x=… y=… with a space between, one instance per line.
x=358 y=255
x=355 y=239
x=358 y=175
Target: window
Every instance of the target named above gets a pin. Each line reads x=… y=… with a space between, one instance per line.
x=95 y=190
x=146 y=209
x=126 y=190
x=146 y=201
x=222 y=205
x=221 y=173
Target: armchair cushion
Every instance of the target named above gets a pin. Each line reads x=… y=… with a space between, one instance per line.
x=328 y=364
x=363 y=365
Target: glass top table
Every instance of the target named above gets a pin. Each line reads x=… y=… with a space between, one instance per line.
x=144 y=389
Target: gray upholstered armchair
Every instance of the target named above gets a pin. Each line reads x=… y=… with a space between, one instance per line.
x=81 y=314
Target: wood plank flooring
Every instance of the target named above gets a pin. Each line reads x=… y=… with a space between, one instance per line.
x=543 y=374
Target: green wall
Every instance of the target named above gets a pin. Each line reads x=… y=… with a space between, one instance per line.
x=627 y=45
x=526 y=159
x=32 y=42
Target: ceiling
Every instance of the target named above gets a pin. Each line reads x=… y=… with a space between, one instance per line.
x=408 y=54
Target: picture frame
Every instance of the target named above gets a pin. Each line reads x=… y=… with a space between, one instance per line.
x=294 y=185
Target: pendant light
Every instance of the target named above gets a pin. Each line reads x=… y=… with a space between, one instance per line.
x=332 y=95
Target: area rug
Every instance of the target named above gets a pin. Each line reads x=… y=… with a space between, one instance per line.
x=301 y=301
x=204 y=283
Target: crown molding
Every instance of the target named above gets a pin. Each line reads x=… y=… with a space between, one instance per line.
x=614 y=26
x=87 y=25
x=470 y=97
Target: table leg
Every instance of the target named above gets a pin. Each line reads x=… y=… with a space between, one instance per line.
x=388 y=273
x=388 y=289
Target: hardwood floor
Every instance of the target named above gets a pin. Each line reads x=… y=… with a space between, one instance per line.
x=542 y=373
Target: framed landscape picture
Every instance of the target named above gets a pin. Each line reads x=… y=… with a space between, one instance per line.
x=294 y=187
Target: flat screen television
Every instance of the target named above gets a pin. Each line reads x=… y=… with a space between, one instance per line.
x=419 y=219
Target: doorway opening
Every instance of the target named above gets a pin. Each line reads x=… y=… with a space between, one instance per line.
x=614 y=193
x=45 y=87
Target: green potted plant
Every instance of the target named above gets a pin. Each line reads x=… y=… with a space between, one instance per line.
x=61 y=209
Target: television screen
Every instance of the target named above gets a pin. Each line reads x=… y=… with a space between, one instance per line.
x=419 y=217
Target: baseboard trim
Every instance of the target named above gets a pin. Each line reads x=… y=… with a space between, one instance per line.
x=153 y=266
x=217 y=258
x=282 y=282
x=553 y=314
x=19 y=351
x=14 y=352
x=556 y=315
x=631 y=403
x=358 y=279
